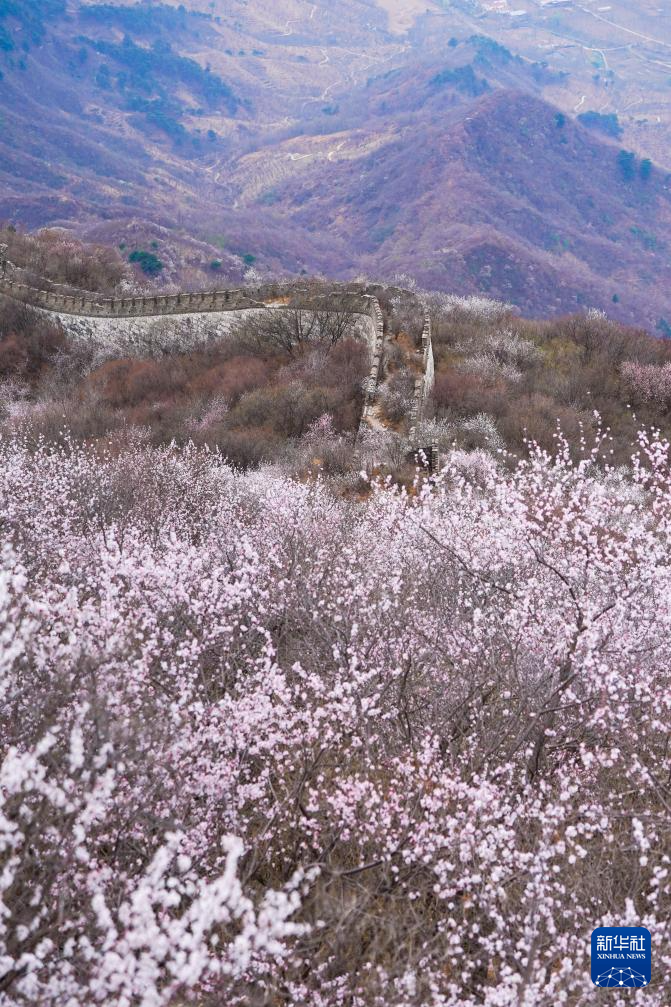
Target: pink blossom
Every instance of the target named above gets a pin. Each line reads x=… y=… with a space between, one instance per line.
x=259 y=744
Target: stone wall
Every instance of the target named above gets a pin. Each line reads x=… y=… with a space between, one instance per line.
x=424 y=383
x=276 y=295
x=155 y=305
x=376 y=364
x=142 y=306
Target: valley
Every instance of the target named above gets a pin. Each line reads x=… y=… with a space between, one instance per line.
x=243 y=138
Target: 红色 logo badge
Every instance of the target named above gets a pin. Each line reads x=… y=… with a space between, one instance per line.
x=622 y=957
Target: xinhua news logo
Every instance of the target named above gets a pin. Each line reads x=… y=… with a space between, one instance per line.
x=622 y=957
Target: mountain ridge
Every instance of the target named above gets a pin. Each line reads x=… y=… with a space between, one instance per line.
x=430 y=167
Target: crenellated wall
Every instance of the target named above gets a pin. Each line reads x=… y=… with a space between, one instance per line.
x=376 y=364
x=168 y=304
x=423 y=384
x=276 y=295
x=153 y=305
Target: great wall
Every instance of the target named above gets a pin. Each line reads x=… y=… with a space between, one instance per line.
x=279 y=296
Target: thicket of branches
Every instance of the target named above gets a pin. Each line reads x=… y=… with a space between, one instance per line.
x=293 y=328
x=502 y=379
x=262 y=746
x=252 y=393
x=275 y=742
x=59 y=258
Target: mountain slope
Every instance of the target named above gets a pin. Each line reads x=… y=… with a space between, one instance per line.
x=504 y=196
x=309 y=138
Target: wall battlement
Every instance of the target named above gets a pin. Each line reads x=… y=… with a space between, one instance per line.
x=271 y=295
x=423 y=384
x=156 y=305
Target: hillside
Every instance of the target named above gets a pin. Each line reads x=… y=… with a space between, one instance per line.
x=293 y=714
x=335 y=503
x=506 y=197
x=325 y=139
x=329 y=379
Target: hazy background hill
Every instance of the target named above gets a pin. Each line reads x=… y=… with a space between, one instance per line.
x=456 y=143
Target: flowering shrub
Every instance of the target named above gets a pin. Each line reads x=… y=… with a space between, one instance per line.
x=215 y=413
x=490 y=368
x=483 y=428
x=509 y=347
x=477 y=432
x=13 y=392
x=380 y=447
x=397 y=394
x=502 y=353
x=648 y=382
x=482 y=309
x=259 y=745
x=62 y=259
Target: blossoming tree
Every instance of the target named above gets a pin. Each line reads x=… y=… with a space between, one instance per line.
x=261 y=745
